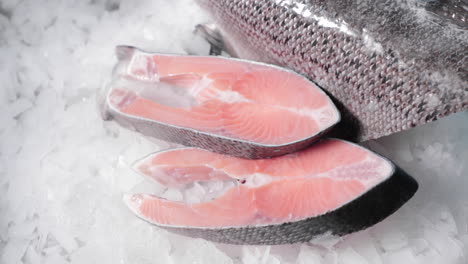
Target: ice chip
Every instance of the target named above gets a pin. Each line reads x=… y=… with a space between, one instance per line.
x=348 y=255
x=173 y=194
x=404 y=255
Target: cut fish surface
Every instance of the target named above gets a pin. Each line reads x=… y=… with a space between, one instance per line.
x=334 y=186
x=229 y=106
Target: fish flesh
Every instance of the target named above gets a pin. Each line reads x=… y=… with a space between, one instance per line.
x=334 y=187
x=389 y=65
x=234 y=107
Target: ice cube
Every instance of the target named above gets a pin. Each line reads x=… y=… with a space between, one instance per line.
x=14 y=250
x=348 y=255
x=173 y=195
x=364 y=245
x=308 y=255
x=403 y=255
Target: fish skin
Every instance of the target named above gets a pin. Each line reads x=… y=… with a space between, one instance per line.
x=388 y=65
x=361 y=213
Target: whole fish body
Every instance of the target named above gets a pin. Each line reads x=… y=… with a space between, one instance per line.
x=389 y=65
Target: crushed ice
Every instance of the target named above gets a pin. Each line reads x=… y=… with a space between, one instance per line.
x=192 y=193
x=63 y=173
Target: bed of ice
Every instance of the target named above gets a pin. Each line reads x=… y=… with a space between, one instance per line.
x=63 y=172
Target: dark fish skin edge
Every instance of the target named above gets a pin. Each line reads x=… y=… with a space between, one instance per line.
x=361 y=213
x=192 y=138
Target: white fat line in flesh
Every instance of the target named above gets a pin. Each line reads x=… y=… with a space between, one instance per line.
x=232 y=97
x=257 y=179
x=200 y=86
x=380 y=169
x=375 y=171
x=314 y=114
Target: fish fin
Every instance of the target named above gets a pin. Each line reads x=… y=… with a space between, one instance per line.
x=211 y=33
x=124 y=52
x=219 y=44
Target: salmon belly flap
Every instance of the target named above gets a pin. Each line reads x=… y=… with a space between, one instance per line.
x=238 y=104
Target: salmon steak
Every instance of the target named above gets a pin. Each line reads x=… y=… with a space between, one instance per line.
x=334 y=187
x=230 y=106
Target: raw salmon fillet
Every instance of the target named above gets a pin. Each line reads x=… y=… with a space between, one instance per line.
x=332 y=187
x=229 y=106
